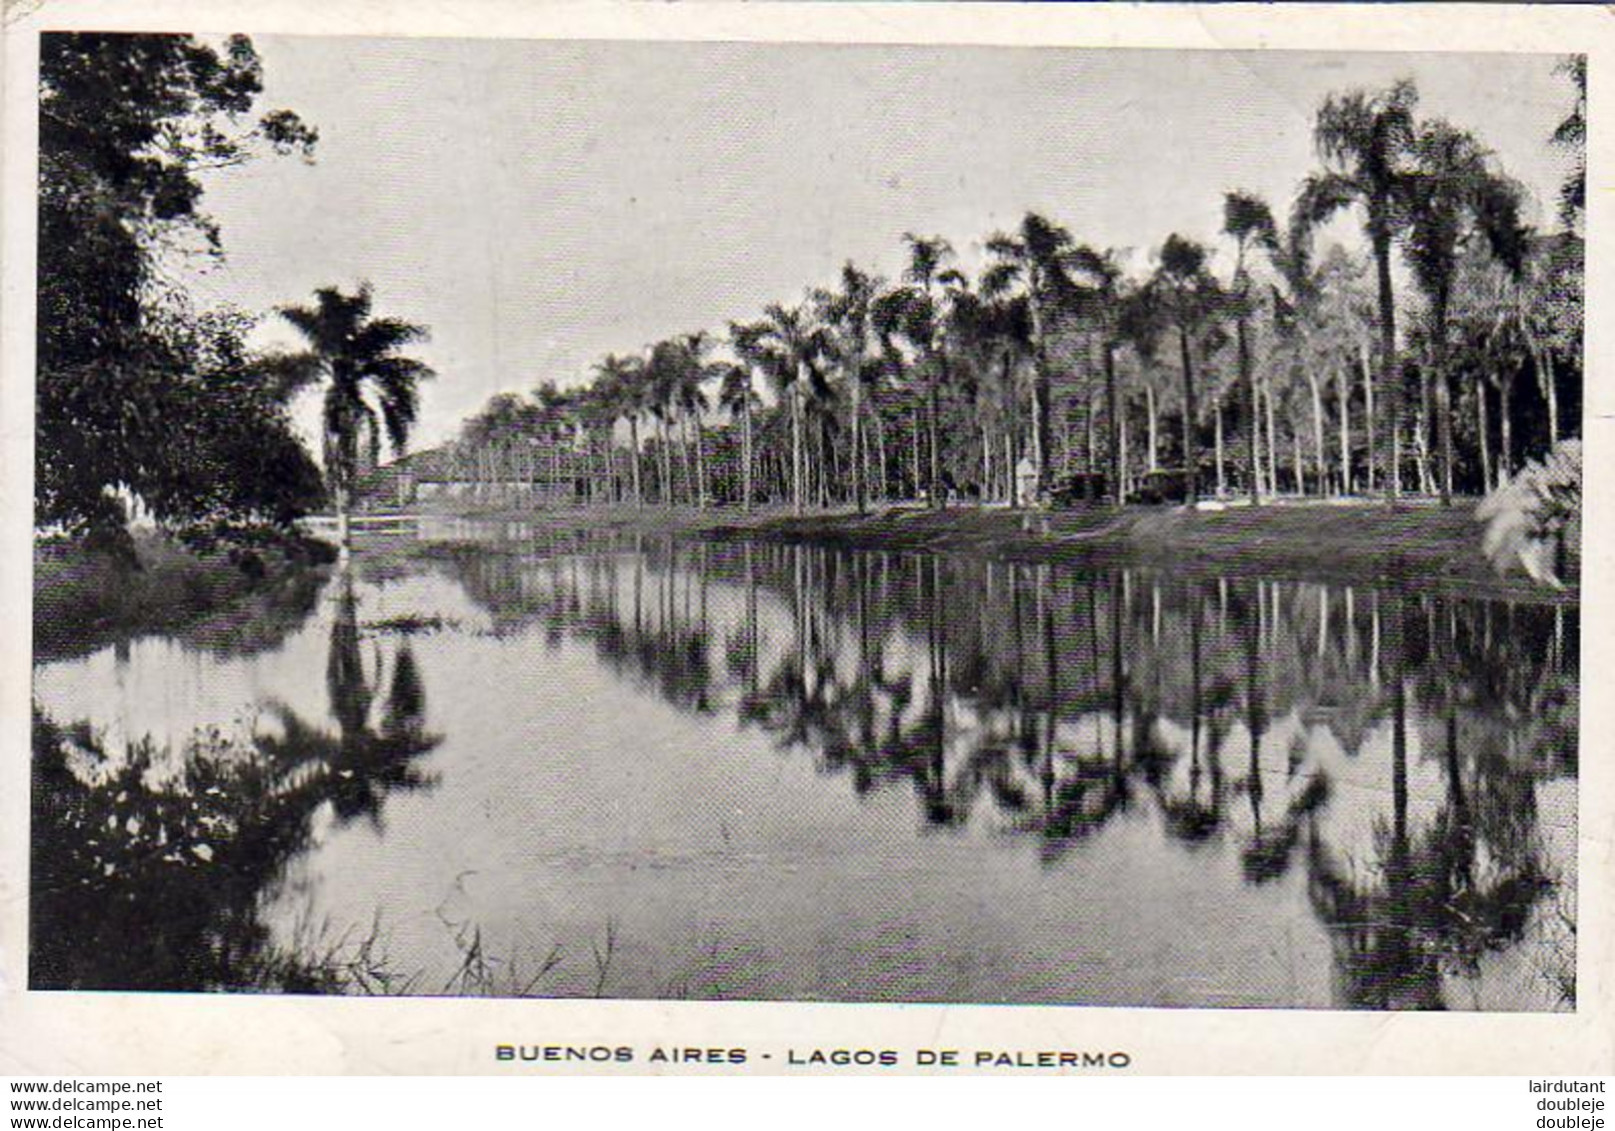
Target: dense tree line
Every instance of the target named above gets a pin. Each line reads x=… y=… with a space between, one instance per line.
x=1301 y=371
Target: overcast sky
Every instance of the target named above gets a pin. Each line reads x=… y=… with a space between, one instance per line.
x=540 y=204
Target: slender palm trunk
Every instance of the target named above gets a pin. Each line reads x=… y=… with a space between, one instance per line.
x=1009 y=466
x=1114 y=420
x=1088 y=462
x=1247 y=378
x=797 y=455
x=665 y=433
x=1343 y=404
x=1216 y=411
x=1317 y=431
x=828 y=470
x=865 y=460
x=914 y=450
x=1191 y=449
x=700 y=461
x=1295 y=461
x=1123 y=474
x=633 y=457
x=691 y=481
x=986 y=461
x=1152 y=425
x=1550 y=390
x=745 y=453
x=883 y=478
x=1041 y=407
x=1505 y=420
x=1421 y=448
x=1438 y=366
x=858 y=486
x=1482 y=427
x=341 y=448
x=933 y=426
x=1390 y=369
x=1272 y=442
x=344 y=530
x=1370 y=423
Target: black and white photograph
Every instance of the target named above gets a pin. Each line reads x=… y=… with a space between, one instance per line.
x=806 y=522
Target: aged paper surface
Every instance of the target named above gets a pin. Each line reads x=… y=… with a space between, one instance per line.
x=639 y=787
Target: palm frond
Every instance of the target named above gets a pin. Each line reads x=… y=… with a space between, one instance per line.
x=382 y=336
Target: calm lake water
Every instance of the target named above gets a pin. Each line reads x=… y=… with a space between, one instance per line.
x=654 y=769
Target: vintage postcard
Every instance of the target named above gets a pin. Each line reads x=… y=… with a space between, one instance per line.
x=804 y=538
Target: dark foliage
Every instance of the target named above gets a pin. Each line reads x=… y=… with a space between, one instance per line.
x=135 y=391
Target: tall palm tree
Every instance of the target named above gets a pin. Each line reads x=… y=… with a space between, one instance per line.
x=735 y=397
x=1452 y=194
x=849 y=315
x=1035 y=257
x=555 y=423
x=664 y=371
x=625 y=381
x=793 y=346
x=1140 y=325
x=1249 y=221
x=691 y=399
x=597 y=411
x=1190 y=296
x=1509 y=319
x=749 y=341
x=986 y=339
x=915 y=313
x=1298 y=300
x=1364 y=140
x=1104 y=275
x=370 y=387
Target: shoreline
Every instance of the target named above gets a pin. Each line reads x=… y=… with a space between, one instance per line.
x=77 y=592
x=1419 y=543
x=85 y=597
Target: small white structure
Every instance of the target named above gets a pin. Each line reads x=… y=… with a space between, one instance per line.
x=1026 y=482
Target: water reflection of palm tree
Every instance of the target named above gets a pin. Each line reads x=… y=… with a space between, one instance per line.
x=1429 y=912
x=361 y=763
x=175 y=880
x=887 y=681
x=1197 y=816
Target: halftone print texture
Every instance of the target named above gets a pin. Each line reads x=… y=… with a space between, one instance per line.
x=807 y=523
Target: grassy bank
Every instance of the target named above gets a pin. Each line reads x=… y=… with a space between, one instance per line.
x=1358 y=542
x=87 y=596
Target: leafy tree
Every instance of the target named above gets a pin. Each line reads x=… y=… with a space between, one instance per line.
x=127 y=125
x=238 y=456
x=1571 y=134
